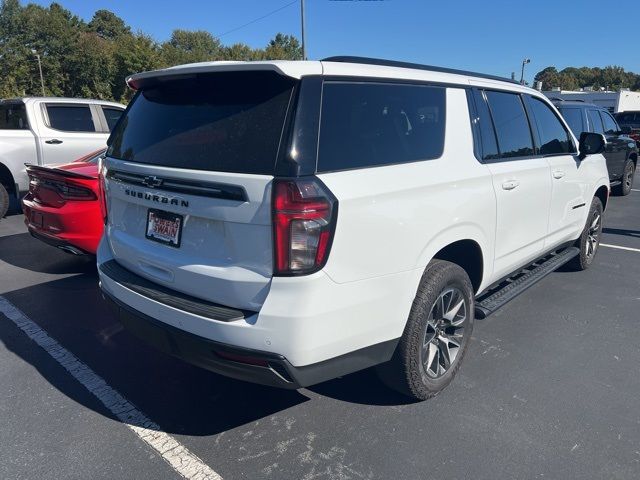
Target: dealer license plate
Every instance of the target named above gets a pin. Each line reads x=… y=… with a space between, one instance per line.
x=164 y=227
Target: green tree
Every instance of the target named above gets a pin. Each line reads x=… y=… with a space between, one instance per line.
x=241 y=52
x=191 y=46
x=283 y=47
x=93 y=59
x=108 y=25
x=571 y=78
x=90 y=68
x=133 y=53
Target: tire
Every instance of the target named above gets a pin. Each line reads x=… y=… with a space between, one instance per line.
x=4 y=201
x=589 y=239
x=626 y=182
x=419 y=367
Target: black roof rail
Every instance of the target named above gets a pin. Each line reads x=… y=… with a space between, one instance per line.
x=415 y=66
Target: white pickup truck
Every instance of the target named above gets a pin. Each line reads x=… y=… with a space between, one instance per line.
x=48 y=131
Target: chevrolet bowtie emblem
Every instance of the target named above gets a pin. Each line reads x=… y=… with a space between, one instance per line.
x=152 y=181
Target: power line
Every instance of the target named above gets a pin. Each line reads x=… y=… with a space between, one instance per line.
x=258 y=19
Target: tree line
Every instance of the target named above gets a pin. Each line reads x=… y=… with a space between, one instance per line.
x=91 y=59
x=609 y=78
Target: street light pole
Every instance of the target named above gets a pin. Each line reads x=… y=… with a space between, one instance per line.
x=524 y=62
x=304 y=48
x=39 y=68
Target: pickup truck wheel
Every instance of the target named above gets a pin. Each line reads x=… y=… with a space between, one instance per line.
x=589 y=240
x=4 y=201
x=626 y=182
x=437 y=333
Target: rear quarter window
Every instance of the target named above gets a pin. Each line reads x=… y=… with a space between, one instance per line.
x=226 y=122
x=13 y=116
x=375 y=124
x=112 y=115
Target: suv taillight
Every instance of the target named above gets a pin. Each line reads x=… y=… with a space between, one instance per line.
x=102 y=170
x=304 y=218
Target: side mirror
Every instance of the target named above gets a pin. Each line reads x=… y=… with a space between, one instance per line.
x=626 y=129
x=590 y=144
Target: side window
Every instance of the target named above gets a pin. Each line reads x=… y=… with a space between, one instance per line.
x=13 y=116
x=483 y=124
x=573 y=117
x=70 y=118
x=374 y=124
x=511 y=124
x=610 y=125
x=595 y=123
x=554 y=138
x=112 y=116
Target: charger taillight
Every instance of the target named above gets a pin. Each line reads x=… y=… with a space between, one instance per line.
x=102 y=170
x=304 y=215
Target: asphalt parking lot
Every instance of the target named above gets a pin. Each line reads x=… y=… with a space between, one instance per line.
x=549 y=389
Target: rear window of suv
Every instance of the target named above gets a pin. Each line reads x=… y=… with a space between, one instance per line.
x=375 y=124
x=224 y=122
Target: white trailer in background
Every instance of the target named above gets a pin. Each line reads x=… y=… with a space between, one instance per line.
x=613 y=101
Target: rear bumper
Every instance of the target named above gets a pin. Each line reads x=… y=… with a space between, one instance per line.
x=76 y=224
x=57 y=242
x=245 y=364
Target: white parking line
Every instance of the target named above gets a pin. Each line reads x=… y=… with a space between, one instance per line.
x=620 y=248
x=635 y=190
x=176 y=455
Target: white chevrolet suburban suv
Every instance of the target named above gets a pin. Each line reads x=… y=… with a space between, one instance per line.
x=291 y=222
x=48 y=130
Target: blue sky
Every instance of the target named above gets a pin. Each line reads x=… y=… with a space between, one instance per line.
x=486 y=36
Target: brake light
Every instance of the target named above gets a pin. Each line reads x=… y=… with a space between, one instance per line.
x=55 y=193
x=102 y=189
x=304 y=217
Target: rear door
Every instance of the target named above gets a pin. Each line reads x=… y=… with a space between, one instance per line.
x=17 y=141
x=68 y=131
x=521 y=182
x=569 y=186
x=618 y=144
x=189 y=179
x=611 y=153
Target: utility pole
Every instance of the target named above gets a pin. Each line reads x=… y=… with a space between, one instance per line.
x=39 y=68
x=304 y=48
x=524 y=62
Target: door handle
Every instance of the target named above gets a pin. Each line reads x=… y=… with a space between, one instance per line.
x=53 y=141
x=510 y=185
x=558 y=174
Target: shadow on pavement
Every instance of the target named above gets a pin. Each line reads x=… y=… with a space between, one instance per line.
x=24 y=251
x=363 y=388
x=181 y=398
x=622 y=231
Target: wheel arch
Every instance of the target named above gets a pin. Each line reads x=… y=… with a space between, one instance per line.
x=465 y=245
x=6 y=179
x=602 y=192
x=468 y=255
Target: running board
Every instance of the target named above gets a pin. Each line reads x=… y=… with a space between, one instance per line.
x=510 y=288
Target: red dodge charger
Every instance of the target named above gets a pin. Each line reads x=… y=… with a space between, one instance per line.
x=62 y=207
